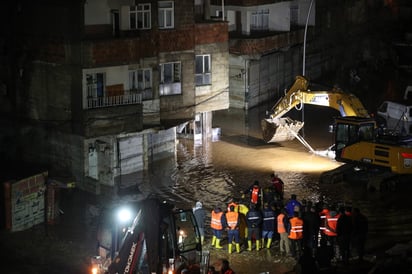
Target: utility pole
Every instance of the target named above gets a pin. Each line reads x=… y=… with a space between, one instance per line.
x=304 y=58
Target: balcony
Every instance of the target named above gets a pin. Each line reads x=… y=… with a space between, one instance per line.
x=116 y=100
x=264 y=42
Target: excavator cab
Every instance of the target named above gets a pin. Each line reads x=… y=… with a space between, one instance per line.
x=159 y=239
x=352 y=130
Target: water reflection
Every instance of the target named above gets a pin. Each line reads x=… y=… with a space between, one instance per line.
x=219 y=170
x=216 y=171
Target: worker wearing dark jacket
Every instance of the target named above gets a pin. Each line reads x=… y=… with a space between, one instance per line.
x=268 y=225
x=232 y=223
x=253 y=220
x=344 y=231
x=255 y=194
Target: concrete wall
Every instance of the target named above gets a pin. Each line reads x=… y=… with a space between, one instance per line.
x=262 y=79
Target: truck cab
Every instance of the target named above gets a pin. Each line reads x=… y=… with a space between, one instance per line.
x=158 y=239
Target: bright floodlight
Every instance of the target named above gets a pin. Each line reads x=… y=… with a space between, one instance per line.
x=124 y=215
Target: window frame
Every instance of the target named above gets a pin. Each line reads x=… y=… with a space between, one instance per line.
x=172 y=86
x=144 y=14
x=163 y=12
x=205 y=73
x=138 y=80
x=260 y=20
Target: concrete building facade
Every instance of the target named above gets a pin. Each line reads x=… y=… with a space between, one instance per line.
x=94 y=90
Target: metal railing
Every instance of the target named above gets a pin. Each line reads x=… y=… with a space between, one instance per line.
x=117 y=100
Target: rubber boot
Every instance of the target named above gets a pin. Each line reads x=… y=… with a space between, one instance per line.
x=249 y=245
x=202 y=239
x=229 y=248
x=218 y=244
x=257 y=245
x=263 y=243
x=213 y=240
x=268 y=243
x=238 y=248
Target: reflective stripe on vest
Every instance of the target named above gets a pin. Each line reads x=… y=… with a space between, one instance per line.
x=296 y=230
x=331 y=224
x=232 y=219
x=216 y=222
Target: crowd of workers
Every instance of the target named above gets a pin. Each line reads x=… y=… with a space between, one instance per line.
x=315 y=234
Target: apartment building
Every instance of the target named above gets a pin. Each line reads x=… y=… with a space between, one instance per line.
x=94 y=90
x=266 y=41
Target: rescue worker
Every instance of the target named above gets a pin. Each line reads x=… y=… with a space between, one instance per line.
x=270 y=196
x=296 y=235
x=225 y=268
x=283 y=228
x=253 y=220
x=200 y=216
x=322 y=222
x=331 y=224
x=268 y=225
x=277 y=184
x=232 y=225
x=255 y=194
x=216 y=223
x=344 y=230
x=360 y=231
x=232 y=202
x=293 y=205
x=311 y=222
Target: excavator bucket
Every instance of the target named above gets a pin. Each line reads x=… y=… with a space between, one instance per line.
x=280 y=129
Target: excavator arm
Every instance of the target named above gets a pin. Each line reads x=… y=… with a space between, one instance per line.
x=278 y=129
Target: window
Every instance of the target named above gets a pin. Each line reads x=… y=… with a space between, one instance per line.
x=140 y=79
x=260 y=20
x=95 y=85
x=203 y=75
x=140 y=16
x=166 y=14
x=170 y=77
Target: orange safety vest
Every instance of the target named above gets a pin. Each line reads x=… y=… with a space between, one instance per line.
x=232 y=218
x=216 y=222
x=322 y=215
x=296 y=229
x=255 y=195
x=331 y=225
x=281 y=225
x=232 y=204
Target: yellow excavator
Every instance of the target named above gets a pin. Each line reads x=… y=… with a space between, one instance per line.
x=277 y=128
x=383 y=157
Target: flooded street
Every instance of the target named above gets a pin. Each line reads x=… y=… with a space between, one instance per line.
x=213 y=173
x=219 y=170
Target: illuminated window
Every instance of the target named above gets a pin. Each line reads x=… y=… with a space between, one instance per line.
x=170 y=78
x=140 y=16
x=166 y=14
x=203 y=75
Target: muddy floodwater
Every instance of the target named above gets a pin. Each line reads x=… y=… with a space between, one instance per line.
x=221 y=169
x=212 y=173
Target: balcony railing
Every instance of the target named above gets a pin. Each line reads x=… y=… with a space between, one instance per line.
x=117 y=100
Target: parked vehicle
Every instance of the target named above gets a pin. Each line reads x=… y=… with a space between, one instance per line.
x=158 y=238
x=396 y=117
